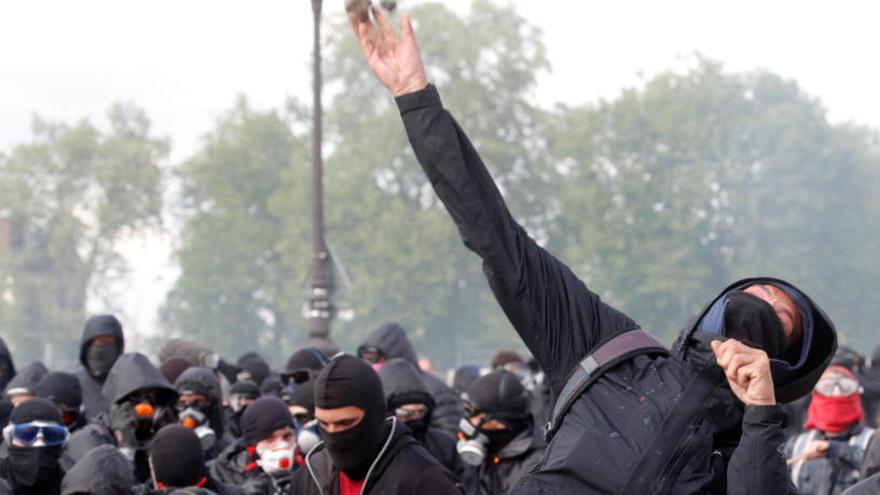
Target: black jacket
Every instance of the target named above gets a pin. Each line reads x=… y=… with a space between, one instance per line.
x=103 y=470
x=403 y=468
x=653 y=424
x=392 y=340
x=500 y=472
x=235 y=465
x=94 y=402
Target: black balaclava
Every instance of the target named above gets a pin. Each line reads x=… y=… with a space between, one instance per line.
x=99 y=358
x=34 y=469
x=176 y=458
x=754 y=322
x=349 y=381
x=63 y=388
x=304 y=396
x=262 y=418
x=502 y=396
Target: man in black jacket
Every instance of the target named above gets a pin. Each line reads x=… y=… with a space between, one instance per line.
x=363 y=452
x=101 y=345
x=703 y=417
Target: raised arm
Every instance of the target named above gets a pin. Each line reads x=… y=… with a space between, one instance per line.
x=558 y=318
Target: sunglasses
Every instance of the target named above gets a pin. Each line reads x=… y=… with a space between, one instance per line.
x=31 y=434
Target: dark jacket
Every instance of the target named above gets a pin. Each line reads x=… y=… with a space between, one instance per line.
x=102 y=471
x=869 y=486
x=236 y=465
x=404 y=467
x=211 y=486
x=871 y=458
x=93 y=398
x=652 y=424
x=403 y=383
x=837 y=470
x=7 y=367
x=501 y=472
x=392 y=340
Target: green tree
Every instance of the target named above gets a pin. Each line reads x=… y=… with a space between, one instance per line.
x=68 y=197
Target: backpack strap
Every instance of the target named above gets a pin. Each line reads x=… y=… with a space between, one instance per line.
x=622 y=347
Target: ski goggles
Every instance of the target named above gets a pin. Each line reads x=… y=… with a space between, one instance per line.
x=837 y=385
x=37 y=434
x=410 y=414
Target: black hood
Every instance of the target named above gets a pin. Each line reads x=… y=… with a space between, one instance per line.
x=392 y=340
x=27 y=377
x=791 y=380
x=133 y=371
x=7 y=368
x=97 y=326
x=403 y=384
x=203 y=381
x=103 y=470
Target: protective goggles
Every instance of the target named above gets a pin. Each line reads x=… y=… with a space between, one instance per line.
x=407 y=414
x=837 y=385
x=370 y=353
x=36 y=434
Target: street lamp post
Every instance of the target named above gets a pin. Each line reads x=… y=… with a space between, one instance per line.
x=320 y=308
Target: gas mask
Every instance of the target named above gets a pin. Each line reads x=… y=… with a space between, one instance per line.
x=276 y=458
x=472 y=443
x=307 y=436
x=198 y=421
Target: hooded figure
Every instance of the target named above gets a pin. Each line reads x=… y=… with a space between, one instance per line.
x=253 y=367
x=390 y=341
x=141 y=402
x=499 y=439
x=664 y=421
x=7 y=368
x=102 y=342
x=827 y=456
x=363 y=451
x=407 y=398
x=63 y=390
x=263 y=459
x=23 y=385
x=103 y=470
x=35 y=441
x=177 y=460
x=204 y=416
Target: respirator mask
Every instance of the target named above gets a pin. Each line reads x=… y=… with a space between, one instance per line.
x=191 y=417
x=307 y=436
x=472 y=444
x=276 y=458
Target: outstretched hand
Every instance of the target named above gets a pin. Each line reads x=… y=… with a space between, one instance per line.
x=747 y=370
x=394 y=59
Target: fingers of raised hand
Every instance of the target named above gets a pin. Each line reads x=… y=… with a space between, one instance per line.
x=384 y=25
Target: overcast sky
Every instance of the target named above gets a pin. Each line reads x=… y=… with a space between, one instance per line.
x=185 y=61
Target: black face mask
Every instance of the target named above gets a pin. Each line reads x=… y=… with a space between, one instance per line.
x=418 y=427
x=354 y=450
x=100 y=358
x=35 y=469
x=498 y=439
x=753 y=321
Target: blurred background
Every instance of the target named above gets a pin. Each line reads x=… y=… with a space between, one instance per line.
x=155 y=163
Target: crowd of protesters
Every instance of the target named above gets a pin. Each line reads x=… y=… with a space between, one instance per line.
x=753 y=397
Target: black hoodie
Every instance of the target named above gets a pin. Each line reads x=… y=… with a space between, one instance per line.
x=660 y=423
x=7 y=368
x=94 y=402
x=103 y=470
x=391 y=339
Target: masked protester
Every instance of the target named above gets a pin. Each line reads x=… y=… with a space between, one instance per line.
x=826 y=458
x=252 y=367
x=390 y=341
x=104 y=470
x=364 y=452
x=701 y=417
x=34 y=440
x=24 y=385
x=407 y=398
x=7 y=367
x=263 y=459
x=498 y=438
x=301 y=404
x=63 y=389
x=176 y=460
x=199 y=406
x=102 y=342
x=303 y=365
x=141 y=402
x=241 y=395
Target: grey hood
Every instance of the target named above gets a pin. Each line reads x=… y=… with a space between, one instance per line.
x=403 y=383
x=392 y=340
x=133 y=371
x=27 y=378
x=98 y=326
x=104 y=470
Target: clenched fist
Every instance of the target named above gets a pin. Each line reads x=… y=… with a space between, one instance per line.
x=747 y=370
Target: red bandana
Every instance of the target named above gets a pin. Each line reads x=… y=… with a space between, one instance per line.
x=833 y=414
